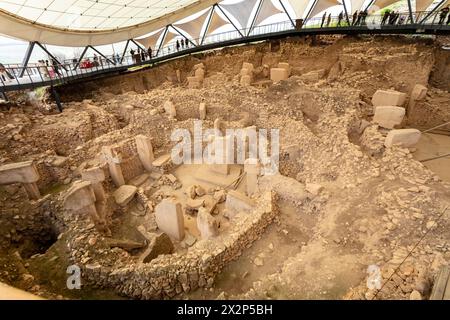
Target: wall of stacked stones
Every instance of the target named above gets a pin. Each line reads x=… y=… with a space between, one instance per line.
x=131 y=164
x=169 y=275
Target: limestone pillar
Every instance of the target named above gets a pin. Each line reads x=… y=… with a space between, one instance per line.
x=206 y=224
x=145 y=151
x=21 y=172
x=113 y=159
x=32 y=190
x=202 y=111
x=169 y=218
x=252 y=169
x=96 y=176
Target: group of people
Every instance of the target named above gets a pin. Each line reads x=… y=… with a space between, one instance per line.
x=358 y=19
x=49 y=71
x=183 y=43
x=444 y=14
x=392 y=17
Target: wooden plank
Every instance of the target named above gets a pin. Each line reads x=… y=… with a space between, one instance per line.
x=440 y=285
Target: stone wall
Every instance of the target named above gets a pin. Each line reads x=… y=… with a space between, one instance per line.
x=131 y=165
x=169 y=275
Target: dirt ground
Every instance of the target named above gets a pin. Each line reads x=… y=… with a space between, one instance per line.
x=375 y=203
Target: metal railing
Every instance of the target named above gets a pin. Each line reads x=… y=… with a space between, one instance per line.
x=35 y=75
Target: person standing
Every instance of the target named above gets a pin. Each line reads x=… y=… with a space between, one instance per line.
x=340 y=17
x=149 y=51
x=55 y=66
x=355 y=17
x=178 y=45
x=385 y=17
x=323 y=19
x=132 y=55
x=328 y=20
x=363 y=18
x=443 y=14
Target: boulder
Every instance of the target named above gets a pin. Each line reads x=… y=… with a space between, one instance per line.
x=278 y=74
x=207 y=224
x=388 y=98
x=124 y=194
x=402 y=137
x=388 y=117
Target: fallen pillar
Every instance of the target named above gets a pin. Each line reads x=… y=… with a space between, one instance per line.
x=21 y=172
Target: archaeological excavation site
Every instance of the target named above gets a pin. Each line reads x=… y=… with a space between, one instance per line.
x=309 y=167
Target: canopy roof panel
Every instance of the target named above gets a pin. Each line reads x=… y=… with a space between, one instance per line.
x=91 y=22
x=91 y=14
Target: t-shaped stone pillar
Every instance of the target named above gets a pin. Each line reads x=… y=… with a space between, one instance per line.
x=96 y=176
x=24 y=173
x=252 y=169
x=113 y=159
x=145 y=151
x=169 y=218
x=81 y=198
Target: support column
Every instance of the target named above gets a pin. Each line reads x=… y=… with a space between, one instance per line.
x=26 y=59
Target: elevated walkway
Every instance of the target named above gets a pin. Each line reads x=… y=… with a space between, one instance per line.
x=16 y=77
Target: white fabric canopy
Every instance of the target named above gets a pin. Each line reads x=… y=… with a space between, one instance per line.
x=216 y=23
x=382 y=3
x=422 y=5
x=322 y=5
x=241 y=11
x=299 y=7
x=194 y=27
x=267 y=10
x=19 y=19
x=151 y=40
x=356 y=5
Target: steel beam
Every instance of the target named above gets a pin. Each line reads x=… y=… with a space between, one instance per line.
x=284 y=8
x=162 y=40
x=26 y=59
x=101 y=54
x=310 y=10
x=370 y=4
x=138 y=45
x=81 y=58
x=256 y=15
x=346 y=12
x=178 y=31
x=208 y=23
x=125 y=51
x=411 y=18
x=228 y=18
x=432 y=11
x=51 y=56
